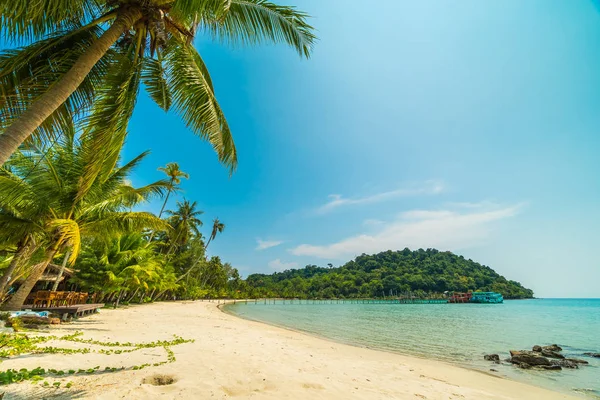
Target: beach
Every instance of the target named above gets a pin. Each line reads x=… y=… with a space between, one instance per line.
x=237 y=358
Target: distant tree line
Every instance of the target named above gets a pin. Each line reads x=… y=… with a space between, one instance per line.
x=422 y=272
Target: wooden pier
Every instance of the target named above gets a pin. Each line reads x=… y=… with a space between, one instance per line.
x=76 y=310
x=339 y=301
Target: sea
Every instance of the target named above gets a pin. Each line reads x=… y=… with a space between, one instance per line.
x=457 y=333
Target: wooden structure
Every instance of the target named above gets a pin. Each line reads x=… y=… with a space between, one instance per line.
x=457 y=297
x=77 y=310
x=47 y=298
x=341 y=301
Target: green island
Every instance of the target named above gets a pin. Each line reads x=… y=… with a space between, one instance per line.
x=423 y=272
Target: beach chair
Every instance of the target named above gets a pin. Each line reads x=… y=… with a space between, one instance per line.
x=72 y=298
x=61 y=299
x=41 y=298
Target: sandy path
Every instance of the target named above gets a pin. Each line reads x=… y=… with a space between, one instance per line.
x=235 y=358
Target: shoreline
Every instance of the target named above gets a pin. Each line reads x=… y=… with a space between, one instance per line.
x=222 y=307
x=233 y=357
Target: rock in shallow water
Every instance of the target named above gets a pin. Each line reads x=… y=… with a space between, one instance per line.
x=565 y=363
x=550 y=367
x=552 y=347
x=551 y=354
x=528 y=357
x=492 y=357
x=537 y=348
x=596 y=355
x=577 y=360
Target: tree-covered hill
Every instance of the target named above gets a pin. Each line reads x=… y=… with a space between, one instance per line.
x=421 y=271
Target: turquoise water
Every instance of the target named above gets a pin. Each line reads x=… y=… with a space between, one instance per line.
x=459 y=333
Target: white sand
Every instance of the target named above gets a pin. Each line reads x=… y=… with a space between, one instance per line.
x=235 y=358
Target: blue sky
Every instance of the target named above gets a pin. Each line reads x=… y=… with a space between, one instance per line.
x=470 y=126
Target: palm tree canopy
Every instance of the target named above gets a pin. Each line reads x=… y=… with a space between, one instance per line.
x=155 y=48
x=185 y=222
x=175 y=174
x=52 y=192
x=218 y=227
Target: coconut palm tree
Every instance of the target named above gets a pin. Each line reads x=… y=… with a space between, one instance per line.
x=85 y=52
x=175 y=175
x=218 y=227
x=185 y=223
x=53 y=192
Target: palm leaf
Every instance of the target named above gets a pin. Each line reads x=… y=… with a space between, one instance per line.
x=30 y=20
x=107 y=124
x=256 y=21
x=154 y=78
x=195 y=101
x=69 y=232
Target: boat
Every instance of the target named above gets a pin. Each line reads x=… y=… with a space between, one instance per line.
x=457 y=297
x=486 y=297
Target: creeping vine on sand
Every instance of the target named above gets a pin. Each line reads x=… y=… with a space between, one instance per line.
x=12 y=345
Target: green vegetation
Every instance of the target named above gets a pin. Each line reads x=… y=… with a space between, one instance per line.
x=422 y=272
x=67 y=92
x=85 y=60
x=18 y=344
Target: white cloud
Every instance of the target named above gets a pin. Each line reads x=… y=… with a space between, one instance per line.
x=267 y=244
x=279 y=265
x=442 y=229
x=337 y=200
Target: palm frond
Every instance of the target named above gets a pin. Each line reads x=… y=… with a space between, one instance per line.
x=122 y=222
x=69 y=231
x=25 y=21
x=107 y=123
x=25 y=74
x=154 y=78
x=257 y=21
x=195 y=101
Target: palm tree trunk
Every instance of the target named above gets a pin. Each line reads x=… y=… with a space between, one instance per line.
x=161 y=210
x=133 y=295
x=62 y=270
x=16 y=302
x=118 y=299
x=6 y=277
x=58 y=93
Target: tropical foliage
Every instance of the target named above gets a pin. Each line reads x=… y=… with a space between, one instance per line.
x=85 y=61
x=421 y=272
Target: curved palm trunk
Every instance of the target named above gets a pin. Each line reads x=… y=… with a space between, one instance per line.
x=133 y=295
x=17 y=258
x=16 y=302
x=58 y=93
x=161 y=211
x=62 y=270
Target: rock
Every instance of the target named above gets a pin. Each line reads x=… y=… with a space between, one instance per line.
x=577 y=360
x=550 y=367
x=524 y=366
x=493 y=370
x=492 y=357
x=596 y=355
x=552 y=347
x=565 y=363
x=55 y=321
x=537 y=349
x=528 y=357
x=551 y=354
